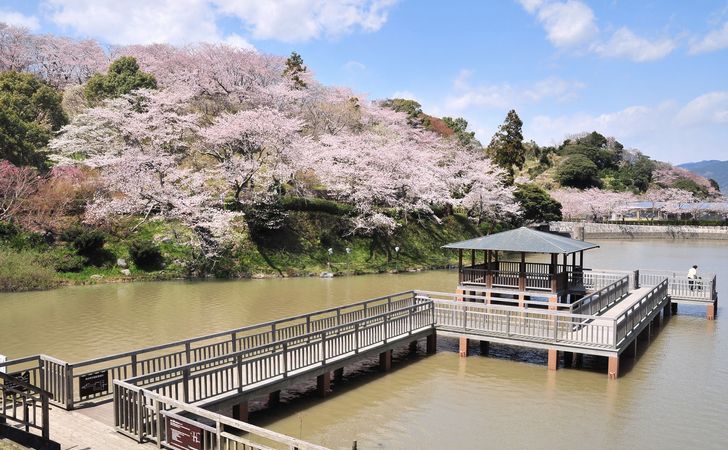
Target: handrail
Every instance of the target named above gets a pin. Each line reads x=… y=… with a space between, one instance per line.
x=218 y=419
x=527 y=303
x=613 y=293
x=10 y=390
x=274 y=345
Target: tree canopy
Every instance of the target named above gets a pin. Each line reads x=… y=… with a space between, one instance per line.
x=506 y=147
x=536 y=204
x=578 y=171
x=122 y=77
x=30 y=113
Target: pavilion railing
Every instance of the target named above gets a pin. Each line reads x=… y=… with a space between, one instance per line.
x=507 y=274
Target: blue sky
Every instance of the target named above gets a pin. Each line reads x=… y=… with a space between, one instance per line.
x=651 y=73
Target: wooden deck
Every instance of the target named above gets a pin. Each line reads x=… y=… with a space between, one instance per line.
x=187 y=381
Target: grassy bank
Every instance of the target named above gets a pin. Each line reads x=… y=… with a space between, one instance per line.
x=299 y=248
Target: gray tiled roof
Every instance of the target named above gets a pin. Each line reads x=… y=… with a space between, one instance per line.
x=524 y=240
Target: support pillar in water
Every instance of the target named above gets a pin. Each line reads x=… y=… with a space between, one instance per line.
x=613 y=369
x=553 y=359
x=484 y=348
x=274 y=398
x=568 y=359
x=463 y=347
x=338 y=374
x=385 y=360
x=240 y=411
x=673 y=307
x=323 y=384
x=711 y=309
x=432 y=343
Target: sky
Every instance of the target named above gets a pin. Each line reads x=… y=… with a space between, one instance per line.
x=653 y=74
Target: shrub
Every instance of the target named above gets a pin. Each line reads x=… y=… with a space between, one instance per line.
x=578 y=171
x=146 y=255
x=88 y=243
x=23 y=271
x=63 y=259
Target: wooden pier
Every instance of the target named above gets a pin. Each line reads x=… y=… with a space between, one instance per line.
x=204 y=384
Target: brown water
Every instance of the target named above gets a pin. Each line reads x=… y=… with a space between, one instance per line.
x=675 y=396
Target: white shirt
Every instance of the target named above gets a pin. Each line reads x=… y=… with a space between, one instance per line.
x=693 y=273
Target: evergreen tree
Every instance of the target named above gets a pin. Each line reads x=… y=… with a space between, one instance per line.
x=294 y=69
x=122 y=77
x=506 y=147
x=30 y=113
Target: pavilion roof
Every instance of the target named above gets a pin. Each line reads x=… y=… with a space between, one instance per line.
x=524 y=240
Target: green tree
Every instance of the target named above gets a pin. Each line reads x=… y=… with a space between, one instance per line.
x=506 y=147
x=294 y=69
x=30 y=112
x=415 y=116
x=714 y=184
x=578 y=171
x=537 y=204
x=122 y=77
x=637 y=175
x=460 y=127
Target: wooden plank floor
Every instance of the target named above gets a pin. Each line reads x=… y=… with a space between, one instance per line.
x=85 y=429
x=626 y=303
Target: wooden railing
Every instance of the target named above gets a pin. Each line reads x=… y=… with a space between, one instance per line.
x=681 y=287
x=65 y=380
x=545 y=326
x=482 y=299
x=506 y=274
x=24 y=404
x=599 y=301
x=534 y=325
x=248 y=369
x=148 y=416
x=594 y=280
x=630 y=320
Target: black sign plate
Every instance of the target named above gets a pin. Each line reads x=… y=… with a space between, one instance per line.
x=183 y=436
x=20 y=376
x=94 y=383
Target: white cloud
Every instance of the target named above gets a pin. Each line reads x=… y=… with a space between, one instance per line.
x=666 y=131
x=354 y=66
x=406 y=95
x=531 y=5
x=238 y=41
x=707 y=108
x=302 y=20
x=625 y=44
x=185 y=21
x=468 y=95
x=567 y=24
x=19 y=20
x=137 y=21
x=715 y=40
x=571 y=24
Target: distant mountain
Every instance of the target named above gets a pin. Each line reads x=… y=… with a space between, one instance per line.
x=717 y=170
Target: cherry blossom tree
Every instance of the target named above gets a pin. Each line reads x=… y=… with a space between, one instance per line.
x=592 y=204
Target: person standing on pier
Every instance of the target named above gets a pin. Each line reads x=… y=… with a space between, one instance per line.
x=692 y=276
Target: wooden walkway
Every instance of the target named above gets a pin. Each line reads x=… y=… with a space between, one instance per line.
x=183 y=382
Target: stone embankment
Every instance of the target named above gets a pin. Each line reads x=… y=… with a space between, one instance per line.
x=627 y=231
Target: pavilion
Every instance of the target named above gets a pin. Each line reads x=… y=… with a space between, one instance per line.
x=488 y=273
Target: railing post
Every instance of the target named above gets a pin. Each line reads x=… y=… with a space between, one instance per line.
x=239 y=363
x=356 y=338
x=233 y=342
x=188 y=352
x=158 y=421
x=636 y=282
x=185 y=385
x=409 y=320
x=273 y=332
x=386 y=328
x=134 y=365
x=285 y=360
x=140 y=415
x=44 y=414
x=323 y=348
x=68 y=369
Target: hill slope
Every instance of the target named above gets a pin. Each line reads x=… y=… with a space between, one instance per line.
x=717 y=170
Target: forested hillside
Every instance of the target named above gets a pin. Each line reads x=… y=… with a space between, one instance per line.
x=155 y=161
x=716 y=170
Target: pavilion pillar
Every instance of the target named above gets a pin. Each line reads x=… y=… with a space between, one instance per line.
x=472 y=258
x=522 y=273
x=613 y=367
x=553 y=270
x=488 y=270
x=460 y=265
x=240 y=411
x=553 y=362
x=463 y=344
